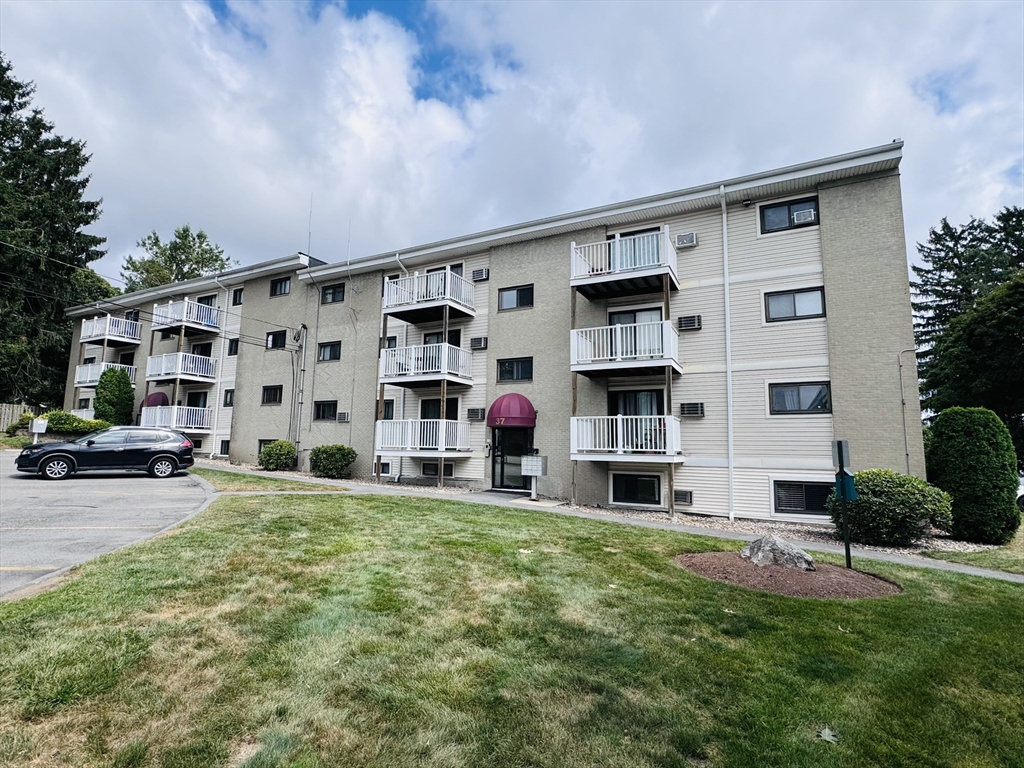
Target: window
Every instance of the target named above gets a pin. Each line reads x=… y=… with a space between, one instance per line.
x=126 y=358
x=273 y=395
x=801 y=498
x=208 y=301
x=391 y=342
x=794 y=305
x=132 y=315
x=232 y=347
x=385 y=468
x=518 y=369
x=277 y=339
x=261 y=444
x=789 y=215
x=332 y=294
x=281 y=287
x=387 y=279
x=196 y=443
x=225 y=445
x=236 y=301
x=324 y=410
x=165 y=335
x=329 y=350
x=636 y=489
x=109 y=438
x=196 y=399
x=203 y=350
x=138 y=437
x=515 y=298
x=389 y=410
x=812 y=397
x=454 y=337
x=88 y=360
x=429 y=469
x=229 y=399
x=83 y=402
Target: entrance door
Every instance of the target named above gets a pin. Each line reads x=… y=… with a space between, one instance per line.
x=510 y=444
x=430 y=430
x=636 y=342
x=196 y=399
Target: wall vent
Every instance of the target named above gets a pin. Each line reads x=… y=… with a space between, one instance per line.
x=691 y=409
x=479 y=275
x=690 y=323
x=342 y=417
x=478 y=342
x=476 y=414
x=686 y=240
x=683 y=497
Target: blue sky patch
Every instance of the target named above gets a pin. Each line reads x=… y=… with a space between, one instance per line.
x=1015 y=173
x=947 y=90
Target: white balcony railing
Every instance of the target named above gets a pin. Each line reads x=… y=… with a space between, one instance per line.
x=422 y=435
x=187 y=312
x=89 y=374
x=428 y=287
x=110 y=327
x=657 y=435
x=177 y=417
x=84 y=413
x=176 y=364
x=426 y=360
x=623 y=255
x=635 y=342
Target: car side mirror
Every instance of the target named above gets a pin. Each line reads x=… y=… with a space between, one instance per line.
x=90 y=442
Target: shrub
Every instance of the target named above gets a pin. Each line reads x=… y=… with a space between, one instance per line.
x=331 y=460
x=115 y=398
x=16 y=442
x=22 y=423
x=891 y=509
x=68 y=423
x=971 y=457
x=278 y=455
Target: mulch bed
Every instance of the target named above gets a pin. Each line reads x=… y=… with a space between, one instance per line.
x=828 y=582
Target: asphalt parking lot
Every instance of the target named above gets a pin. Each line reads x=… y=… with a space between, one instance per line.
x=46 y=526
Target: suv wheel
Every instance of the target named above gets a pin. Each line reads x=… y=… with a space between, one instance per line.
x=163 y=467
x=56 y=468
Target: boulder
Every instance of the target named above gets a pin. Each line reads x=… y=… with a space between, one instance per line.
x=771 y=550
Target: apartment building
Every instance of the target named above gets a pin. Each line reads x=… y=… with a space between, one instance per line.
x=698 y=349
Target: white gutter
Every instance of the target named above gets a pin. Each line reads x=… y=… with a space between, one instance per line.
x=728 y=352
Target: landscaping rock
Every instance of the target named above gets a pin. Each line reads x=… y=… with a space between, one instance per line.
x=771 y=550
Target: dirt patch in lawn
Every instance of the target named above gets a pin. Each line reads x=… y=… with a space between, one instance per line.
x=828 y=582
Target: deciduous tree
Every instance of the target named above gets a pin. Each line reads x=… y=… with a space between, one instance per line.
x=187 y=255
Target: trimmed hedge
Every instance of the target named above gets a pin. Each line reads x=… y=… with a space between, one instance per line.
x=331 y=460
x=115 y=398
x=891 y=509
x=62 y=422
x=278 y=455
x=971 y=457
x=22 y=423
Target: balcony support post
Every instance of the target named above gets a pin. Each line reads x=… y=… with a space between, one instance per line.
x=179 y=364
x=574 y=376
x=668 y=401
x=380 y=389
x=444 y=385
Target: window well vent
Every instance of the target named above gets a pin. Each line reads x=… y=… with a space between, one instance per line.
x=690 y=323
x=475 y=414
x=683 y=497
x=479 y=275
x=342 y=417
x=478 y=342
x=691 y=409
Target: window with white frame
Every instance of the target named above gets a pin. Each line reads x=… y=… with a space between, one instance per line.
x=636 y=489
x=799 y=498
x=800 y=397
x=329 y=350
x=805 y=303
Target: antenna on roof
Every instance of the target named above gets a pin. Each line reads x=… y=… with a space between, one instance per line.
x=309 y=235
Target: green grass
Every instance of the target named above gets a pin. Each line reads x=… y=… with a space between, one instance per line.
x=18 y=441
x=325 y=631
x=235 y=481
x=1008 y=558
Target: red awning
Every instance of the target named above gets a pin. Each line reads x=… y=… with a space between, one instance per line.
x=512 y=410
x=156 y=398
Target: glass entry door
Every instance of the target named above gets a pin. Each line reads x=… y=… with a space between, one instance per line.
x=510 y=444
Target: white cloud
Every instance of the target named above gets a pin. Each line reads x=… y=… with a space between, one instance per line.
x=231 y=127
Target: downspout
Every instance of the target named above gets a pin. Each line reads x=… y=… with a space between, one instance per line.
x=903 y=401
x=302 y=379
x=728 y=352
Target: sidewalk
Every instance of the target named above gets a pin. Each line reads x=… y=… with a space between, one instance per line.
x=518 y=502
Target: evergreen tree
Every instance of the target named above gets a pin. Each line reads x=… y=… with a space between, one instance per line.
x=43 y=215
x=187 y=255
x=115 y=398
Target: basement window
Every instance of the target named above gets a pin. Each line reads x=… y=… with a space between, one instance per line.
x=801 y=498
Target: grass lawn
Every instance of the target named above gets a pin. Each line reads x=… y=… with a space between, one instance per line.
x=234 y=481
x=387 y=631
x=17 y=442
x=1009 y=558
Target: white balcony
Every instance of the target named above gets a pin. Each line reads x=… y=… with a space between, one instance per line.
x=116 y=330
x=652 y=439
x=181 y=365
x=181 y=417
x=88 y=375
x=421 y=298
x=624 y=350
x=426 y=365
x=84 y=413
x=190 y=315
x=624 y=266
x=422 y=437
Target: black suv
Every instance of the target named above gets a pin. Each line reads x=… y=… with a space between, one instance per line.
x=161 y=452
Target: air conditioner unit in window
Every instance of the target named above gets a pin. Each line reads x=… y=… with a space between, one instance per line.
x=686 y=240
x=690 y=323
x=342 y=417
x=683 y=497
x=479 y=275
x=478 y=342
x=691 y=409
x=476 y=414
x=803 y=217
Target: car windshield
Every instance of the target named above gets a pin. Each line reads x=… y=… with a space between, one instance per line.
x=91 y=436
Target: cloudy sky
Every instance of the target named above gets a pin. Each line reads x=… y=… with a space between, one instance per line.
x=408 y=122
